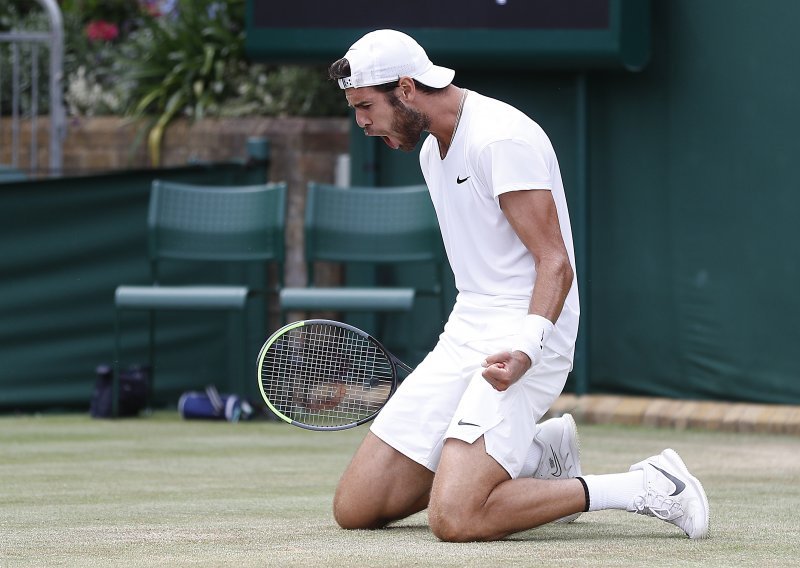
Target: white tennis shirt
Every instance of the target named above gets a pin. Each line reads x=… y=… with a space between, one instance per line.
x=496 y=149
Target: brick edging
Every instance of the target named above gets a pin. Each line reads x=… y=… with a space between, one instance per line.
x=680 y=414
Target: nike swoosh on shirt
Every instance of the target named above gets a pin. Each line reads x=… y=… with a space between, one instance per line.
x=462 y=423
x=460 y=181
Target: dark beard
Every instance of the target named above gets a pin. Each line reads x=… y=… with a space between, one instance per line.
x=408 y=123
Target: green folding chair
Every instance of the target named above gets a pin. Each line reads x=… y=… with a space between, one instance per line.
x=367 y=225
x=233 y=224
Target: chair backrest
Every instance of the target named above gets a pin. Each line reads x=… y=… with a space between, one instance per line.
x=217 y=223
x=369 y=224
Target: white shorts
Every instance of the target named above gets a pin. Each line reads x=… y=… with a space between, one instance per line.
x=446 y=397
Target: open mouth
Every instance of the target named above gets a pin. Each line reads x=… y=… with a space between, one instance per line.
x=386 y=139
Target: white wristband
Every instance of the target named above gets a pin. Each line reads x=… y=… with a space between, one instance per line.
x=535 y=332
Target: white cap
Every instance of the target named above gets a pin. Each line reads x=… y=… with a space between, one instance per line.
x=383 y=56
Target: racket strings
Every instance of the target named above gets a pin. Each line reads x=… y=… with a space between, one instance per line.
x=326 y=376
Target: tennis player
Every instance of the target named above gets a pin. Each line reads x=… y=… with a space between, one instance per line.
x=460 y=436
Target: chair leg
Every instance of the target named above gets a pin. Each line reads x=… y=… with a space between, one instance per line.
x=411 y=334
x=115 y=376
x=244 y=365
x=151 y=357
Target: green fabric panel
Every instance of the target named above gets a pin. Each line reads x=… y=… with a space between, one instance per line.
x=67 y=243
x=695 y=254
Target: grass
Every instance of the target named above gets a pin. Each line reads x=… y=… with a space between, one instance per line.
x=159 y=491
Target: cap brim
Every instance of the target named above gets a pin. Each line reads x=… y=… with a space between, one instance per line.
x=436 y=77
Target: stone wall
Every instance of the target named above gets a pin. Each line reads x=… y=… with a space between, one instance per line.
x=302 y=150
x=110 y=143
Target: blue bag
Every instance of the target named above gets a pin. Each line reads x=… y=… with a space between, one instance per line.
x=210 y=405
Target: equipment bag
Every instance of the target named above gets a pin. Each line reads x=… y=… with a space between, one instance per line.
x=134 y=391
x=210 y=405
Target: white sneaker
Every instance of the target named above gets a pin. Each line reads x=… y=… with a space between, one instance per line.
x=558 y=438
x=672 y=494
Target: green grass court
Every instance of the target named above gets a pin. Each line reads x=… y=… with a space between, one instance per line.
x=159 y=491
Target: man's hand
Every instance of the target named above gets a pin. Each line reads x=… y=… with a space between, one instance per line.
x=503 y=369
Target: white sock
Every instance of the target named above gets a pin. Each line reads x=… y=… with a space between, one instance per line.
x=531 y=460
x=614 y=490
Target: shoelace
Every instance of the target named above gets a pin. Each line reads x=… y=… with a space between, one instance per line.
x=657 y=505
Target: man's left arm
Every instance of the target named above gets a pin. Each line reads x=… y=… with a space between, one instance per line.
x=533 y=216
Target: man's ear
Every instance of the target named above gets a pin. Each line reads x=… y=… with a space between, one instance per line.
x=407 y=88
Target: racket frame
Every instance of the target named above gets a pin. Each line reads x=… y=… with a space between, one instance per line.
x=394 y=363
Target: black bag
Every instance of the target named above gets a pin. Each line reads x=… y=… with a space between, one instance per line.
x=134 y=389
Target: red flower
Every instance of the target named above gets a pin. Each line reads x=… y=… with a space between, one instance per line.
x=100 y=30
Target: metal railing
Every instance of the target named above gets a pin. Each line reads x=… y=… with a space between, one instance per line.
x=18 y=41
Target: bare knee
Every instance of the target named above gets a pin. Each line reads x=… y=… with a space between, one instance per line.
x=351 y=512
x=379 y=486
x=455 y=521
x=449 y=529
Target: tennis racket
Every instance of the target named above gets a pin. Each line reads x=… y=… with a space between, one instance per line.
x=326 y=375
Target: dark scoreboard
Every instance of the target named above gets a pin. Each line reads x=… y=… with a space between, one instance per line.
x=466 y=33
